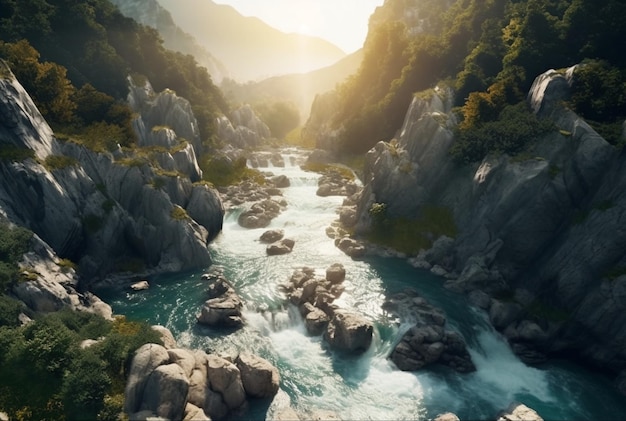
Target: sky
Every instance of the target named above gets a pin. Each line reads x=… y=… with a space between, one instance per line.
x=342 y=22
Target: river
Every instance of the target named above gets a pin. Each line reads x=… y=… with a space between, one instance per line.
x=367 y=386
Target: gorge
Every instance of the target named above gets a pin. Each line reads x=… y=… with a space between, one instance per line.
x=453 y=243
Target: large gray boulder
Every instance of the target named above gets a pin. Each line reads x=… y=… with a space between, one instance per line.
x=147 y=358
x=165 y=392
x=223 y=308
x=225 y=379
x=349 y=332
x=260 y=378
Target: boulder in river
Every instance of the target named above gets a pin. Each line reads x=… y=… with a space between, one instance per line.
x=349 y=332
x=223 y=308
x=283 y=246
x=271 y=236
x=427 y=342
x=260 y=378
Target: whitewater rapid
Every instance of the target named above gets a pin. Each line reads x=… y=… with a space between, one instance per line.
x=368 y=386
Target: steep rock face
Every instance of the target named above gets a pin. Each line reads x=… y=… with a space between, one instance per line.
x=107 y=211
x=244 y=129
x=546 y=229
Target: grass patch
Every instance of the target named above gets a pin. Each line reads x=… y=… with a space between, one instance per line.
x=67 y=265
x=321 y=168
x=59 y=162
x=221 y=171
x=179 y=214
x=10 y=153
x=410 y=235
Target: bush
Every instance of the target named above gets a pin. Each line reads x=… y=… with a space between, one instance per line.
x=221 y=171
x=515 y=128
x=10 y=309
x=14 y=242
x=410 y=235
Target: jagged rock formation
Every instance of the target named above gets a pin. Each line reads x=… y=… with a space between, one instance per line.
x=543 y=231
x=244 y=129
x=428 y=341
x=223 y=308
x=108 y=211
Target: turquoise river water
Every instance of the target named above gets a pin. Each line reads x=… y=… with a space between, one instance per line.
x=367 y=387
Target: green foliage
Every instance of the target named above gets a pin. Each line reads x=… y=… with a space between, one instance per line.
x=221 y=171
x=14 y=242
x=410 y=235
x=318 y=167
x=93 y=43
x=493 y=50
x=280 y=116
x=10 y=153
x=10 y=309
x=46 y=82
x=179 y=214
x=599 y=95
x=59 y=162
x=45 y=375
x=511 y=132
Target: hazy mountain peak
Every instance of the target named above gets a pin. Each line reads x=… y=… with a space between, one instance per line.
x=250 y=48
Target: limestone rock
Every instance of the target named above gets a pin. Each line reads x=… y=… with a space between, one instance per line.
x=336 y=273
x=140 y=286
x=272 y=236
x=193 y=413
x=225 y=379
x=260 y=378
x=224 y=306
x=519 y=412
x=147 y=358
x=165 y=392
x=169 y=342
x=283 y=246
x=349 y=332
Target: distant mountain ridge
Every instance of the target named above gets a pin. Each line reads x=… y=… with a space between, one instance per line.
x=250 y=48
x=152 y=14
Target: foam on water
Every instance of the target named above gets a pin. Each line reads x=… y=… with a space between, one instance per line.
x=368 y=386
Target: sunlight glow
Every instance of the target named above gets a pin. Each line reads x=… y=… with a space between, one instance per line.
x=343 y=23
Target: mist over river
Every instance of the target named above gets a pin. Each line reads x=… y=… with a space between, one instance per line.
x=368 y=386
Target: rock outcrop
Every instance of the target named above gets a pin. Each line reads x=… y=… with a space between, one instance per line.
x=244 y=129
x=427 y=342
x=542 y=228
x=343 y=330
x=108 y=211
x=184 y=384
x=223 y=308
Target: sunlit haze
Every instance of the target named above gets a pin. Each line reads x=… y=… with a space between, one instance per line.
x=342 y=22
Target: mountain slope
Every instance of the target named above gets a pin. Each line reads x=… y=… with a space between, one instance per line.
x=300 y=89
x=248 y=47
x=150 y=13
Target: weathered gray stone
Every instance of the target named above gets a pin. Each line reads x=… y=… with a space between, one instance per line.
x=165 y=392
x=225 y=378
x=147 y=358
x=260 y=378
x=271 y=236
x=349 y=332
x=519 y=412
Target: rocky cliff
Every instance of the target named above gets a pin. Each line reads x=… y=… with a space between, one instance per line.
x=125 y=210
x=540 y=243
x=244 y=129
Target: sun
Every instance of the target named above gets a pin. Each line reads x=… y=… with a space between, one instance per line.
x=304 y=29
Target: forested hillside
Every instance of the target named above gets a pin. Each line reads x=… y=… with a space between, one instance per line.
x=68 y=51
x=489 y=52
